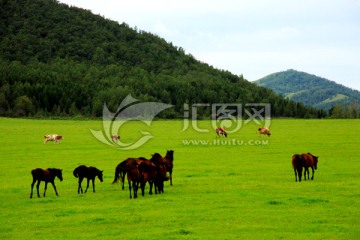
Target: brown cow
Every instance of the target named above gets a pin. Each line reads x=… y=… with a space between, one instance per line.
x=115 y=138
x=264 y=131
x=221 y=131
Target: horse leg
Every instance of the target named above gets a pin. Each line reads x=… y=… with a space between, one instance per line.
x=295 y=175
x=305 y=173
x=312 y=177
x=308 y=172
x=32 y=186
x=156 y=186
x=130 y=188
x=93 y=183
x=87 y=185
x=37 y=188
x=53 y=184
x=142 y=186
x=79 y=187
x=135 y=188
x=170 y=178
x=45 y=187
x=122 y=177
x=151 y=187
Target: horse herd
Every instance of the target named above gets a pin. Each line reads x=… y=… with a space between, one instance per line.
x=139 y=171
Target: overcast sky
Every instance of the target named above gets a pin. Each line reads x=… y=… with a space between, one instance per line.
x=252 y=37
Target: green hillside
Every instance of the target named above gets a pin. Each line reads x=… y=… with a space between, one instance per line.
x=309 y=89
x=57 y=60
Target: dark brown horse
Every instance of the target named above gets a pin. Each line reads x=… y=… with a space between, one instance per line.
x=148 y=174
x=160 y=163
x=311 y=161
x=169 y=162
x=134 y=179
x=47 y=175
x=90 y=173
x=298 y=164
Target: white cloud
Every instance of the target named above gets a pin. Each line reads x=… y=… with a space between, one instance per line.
x=255 y=38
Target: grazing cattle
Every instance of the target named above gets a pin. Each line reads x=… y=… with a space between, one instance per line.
x=220 y=131
x=311 y=161
x=134 y=179
x=52 y=137
x=115 y=138
x=47 y=175
x=264 y=131
x=298 y=164
x=89 y=173
x=169 y=162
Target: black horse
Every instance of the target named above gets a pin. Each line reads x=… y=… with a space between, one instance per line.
x=89 y=173
x=47 y=175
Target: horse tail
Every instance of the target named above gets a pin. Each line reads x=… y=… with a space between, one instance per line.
x=116 y=178
x=75 y=173
x=140 y=168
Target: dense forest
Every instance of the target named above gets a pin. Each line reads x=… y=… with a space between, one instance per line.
x=314 y=91
x=57 y=60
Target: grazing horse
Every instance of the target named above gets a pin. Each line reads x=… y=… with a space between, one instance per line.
x=47 y=175
x=221 y=131
x=89 y=173
x=169 y=159
x=310 y=162
x=264 y=131
x=298 y=163
x=134 y=177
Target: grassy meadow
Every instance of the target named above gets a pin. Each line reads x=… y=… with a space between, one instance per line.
x=239 y=187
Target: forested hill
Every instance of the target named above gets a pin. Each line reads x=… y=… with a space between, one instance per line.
x=310 y=89
x=57 y=60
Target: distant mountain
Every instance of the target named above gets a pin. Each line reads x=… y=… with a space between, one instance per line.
x=309 y=89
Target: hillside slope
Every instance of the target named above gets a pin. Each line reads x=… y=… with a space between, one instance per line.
x=309 y=89
x=57 y=60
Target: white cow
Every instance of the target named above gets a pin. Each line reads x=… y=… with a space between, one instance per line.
x=52 y=137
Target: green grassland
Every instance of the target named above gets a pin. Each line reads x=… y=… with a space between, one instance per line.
x=239 y=188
